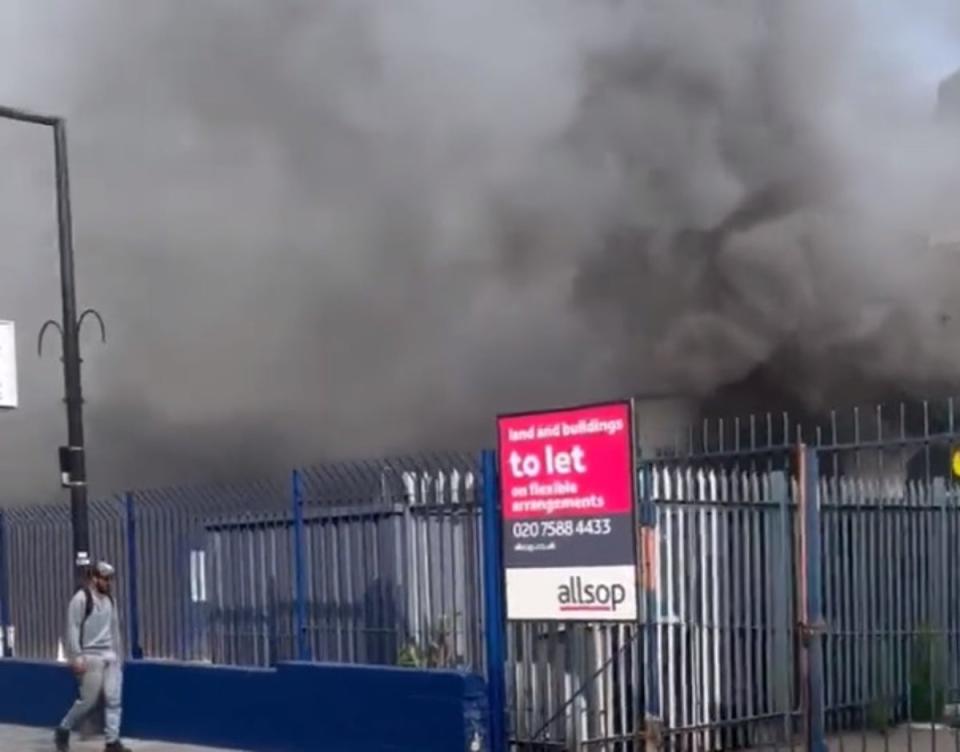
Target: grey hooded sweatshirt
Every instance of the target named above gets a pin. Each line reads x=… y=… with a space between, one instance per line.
x=99 y=636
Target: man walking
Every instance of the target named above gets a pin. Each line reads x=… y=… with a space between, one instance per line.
x=94 y=650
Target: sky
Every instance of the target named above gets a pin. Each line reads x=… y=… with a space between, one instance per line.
x=923 y=41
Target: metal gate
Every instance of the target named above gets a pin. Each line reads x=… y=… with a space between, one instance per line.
x=795 y=595
x=721 y=609
x=710 y=664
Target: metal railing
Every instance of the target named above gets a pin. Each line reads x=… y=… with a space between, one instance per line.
x=717 y=658
x=382 y=562
x=36 y=569
x=366 y=562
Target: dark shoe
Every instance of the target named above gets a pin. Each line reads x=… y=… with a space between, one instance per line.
x=116 y=746
x=61 y=738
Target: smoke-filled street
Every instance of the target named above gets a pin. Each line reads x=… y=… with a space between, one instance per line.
x=432 y=375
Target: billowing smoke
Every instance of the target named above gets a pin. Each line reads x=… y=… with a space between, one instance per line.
x=362 y=226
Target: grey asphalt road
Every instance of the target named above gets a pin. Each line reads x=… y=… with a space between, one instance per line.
x=41 y=740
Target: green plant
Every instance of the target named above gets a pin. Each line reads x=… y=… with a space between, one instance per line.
x=928 y=685
x=409 y=656
x=436 y=653
x=880 y=715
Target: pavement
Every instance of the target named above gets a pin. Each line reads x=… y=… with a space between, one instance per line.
x=21 y=739
x=905 y=738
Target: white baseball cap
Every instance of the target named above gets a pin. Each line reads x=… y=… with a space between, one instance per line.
x=103 y=569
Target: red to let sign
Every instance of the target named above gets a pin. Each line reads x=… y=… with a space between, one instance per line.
x=575 y=462
x=568 y=513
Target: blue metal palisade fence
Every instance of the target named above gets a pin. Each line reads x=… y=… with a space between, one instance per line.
x=799 y=585
x=374 y=562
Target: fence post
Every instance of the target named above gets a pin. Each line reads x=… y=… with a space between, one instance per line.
x=299 y=567
x=494 y=624
x=133 y=584
x=649 y=577
x=7 y=649
x=811 y=626
x=783 y=574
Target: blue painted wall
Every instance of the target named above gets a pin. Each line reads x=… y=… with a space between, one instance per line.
x=296 y=706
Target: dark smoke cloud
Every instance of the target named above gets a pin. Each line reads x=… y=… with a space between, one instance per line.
x=363 y=226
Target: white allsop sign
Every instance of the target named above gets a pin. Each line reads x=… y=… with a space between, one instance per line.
x=8 y=366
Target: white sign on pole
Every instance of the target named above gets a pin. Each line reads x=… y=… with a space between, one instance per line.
x=8 y=366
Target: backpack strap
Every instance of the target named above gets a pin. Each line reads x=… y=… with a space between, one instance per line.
x=87 y=610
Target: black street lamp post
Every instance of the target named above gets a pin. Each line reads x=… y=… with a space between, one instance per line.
x=72 y=461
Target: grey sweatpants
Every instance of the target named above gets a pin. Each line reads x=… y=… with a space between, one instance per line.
x=100 y=676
